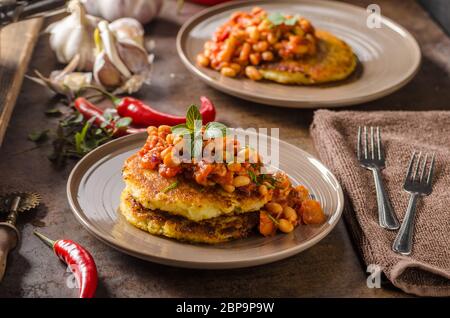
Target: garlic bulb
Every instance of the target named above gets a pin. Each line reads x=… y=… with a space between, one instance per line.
x=122 y=64
x=72 y=36
x=142 y=10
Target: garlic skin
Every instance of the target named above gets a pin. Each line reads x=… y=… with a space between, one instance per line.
x=128 y=29
x=72 y=36
x=65 y=82
x=142 y=10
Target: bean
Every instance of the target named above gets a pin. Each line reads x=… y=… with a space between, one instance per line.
x=290 y=214
x=255 y=58
x=171 y=161
x=203 y=60
x=234 y=166
x=165 y=152
x=236 y=67
x=228 y=71
x=274 y=208
x=261 y=46
x=228 y=188
x=252 y=73
x=241 y=181
x=271 y=38
x=170 y=138
x=263 y=190
x=245 y=52
x=228 y=50
x=267 y=56
x=253 y=33
x=285 y=226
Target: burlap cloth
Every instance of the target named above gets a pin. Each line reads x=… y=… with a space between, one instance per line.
x=426 y=271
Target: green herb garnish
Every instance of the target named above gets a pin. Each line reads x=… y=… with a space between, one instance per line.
x=193 y=129
x=53 y=112
x=170 y=187
x=278 y=18
x=38 y=136
x=253 y=177
x=272 y=218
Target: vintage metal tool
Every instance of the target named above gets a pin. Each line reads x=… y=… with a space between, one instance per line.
x=11 y=205
x=15 y=10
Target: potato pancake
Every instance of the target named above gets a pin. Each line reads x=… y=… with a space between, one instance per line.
x=187 y=199
x=334 y=61
x=216 y=230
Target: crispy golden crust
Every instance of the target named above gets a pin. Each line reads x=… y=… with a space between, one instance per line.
x=335 y=61
x=188 y=199
x=217 y=230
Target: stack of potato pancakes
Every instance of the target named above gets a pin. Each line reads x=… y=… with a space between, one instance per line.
x=187 y=212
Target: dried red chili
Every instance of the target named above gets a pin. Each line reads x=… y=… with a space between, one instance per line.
x=80 y=262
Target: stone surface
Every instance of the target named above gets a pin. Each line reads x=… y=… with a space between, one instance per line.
x=331 y=268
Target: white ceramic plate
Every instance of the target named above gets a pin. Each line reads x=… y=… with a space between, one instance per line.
x=389 y=56
x=94 y=188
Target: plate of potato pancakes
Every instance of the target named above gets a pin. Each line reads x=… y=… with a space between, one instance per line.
x=203 y=197
x=298 y=53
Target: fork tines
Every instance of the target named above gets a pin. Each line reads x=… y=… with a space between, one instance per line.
x=420 y=163
x=363 y=145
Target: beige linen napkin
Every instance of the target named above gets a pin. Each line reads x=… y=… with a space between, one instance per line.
x=426 y=271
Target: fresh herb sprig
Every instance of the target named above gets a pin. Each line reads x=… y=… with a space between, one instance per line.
x=193 y=129
x=277 y=18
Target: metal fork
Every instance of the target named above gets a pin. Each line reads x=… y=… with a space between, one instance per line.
x=417 y=186
x=373 y=160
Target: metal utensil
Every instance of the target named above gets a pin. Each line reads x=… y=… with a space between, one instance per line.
x=9 y=234
x=371 y=156
x=417 y=186
x=14 y=10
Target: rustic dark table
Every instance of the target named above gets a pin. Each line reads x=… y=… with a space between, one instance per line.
x=330 y=268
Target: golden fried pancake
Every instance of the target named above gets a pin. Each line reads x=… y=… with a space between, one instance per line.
x=334 y=61
x=187 y=199
x=216 y=230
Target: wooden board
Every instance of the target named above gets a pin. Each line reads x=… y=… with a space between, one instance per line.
x=16 y=46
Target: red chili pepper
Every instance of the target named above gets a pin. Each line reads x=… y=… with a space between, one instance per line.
x=89 y=110
x=79 y=261
x=144 y=115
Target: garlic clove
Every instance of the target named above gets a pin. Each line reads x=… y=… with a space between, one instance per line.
x=109 y=47
x=134 y=57
x=126 y=29
x=105 y=73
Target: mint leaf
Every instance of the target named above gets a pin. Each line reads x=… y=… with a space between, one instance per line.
x=291 y=21
x=276 y=18
x=38 y=136
x=181 y=130
x=192 y=115
x=123 y=122
x=215 y=130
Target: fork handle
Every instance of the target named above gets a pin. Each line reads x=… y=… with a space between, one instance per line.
x=403 y=242
x=386 y=215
